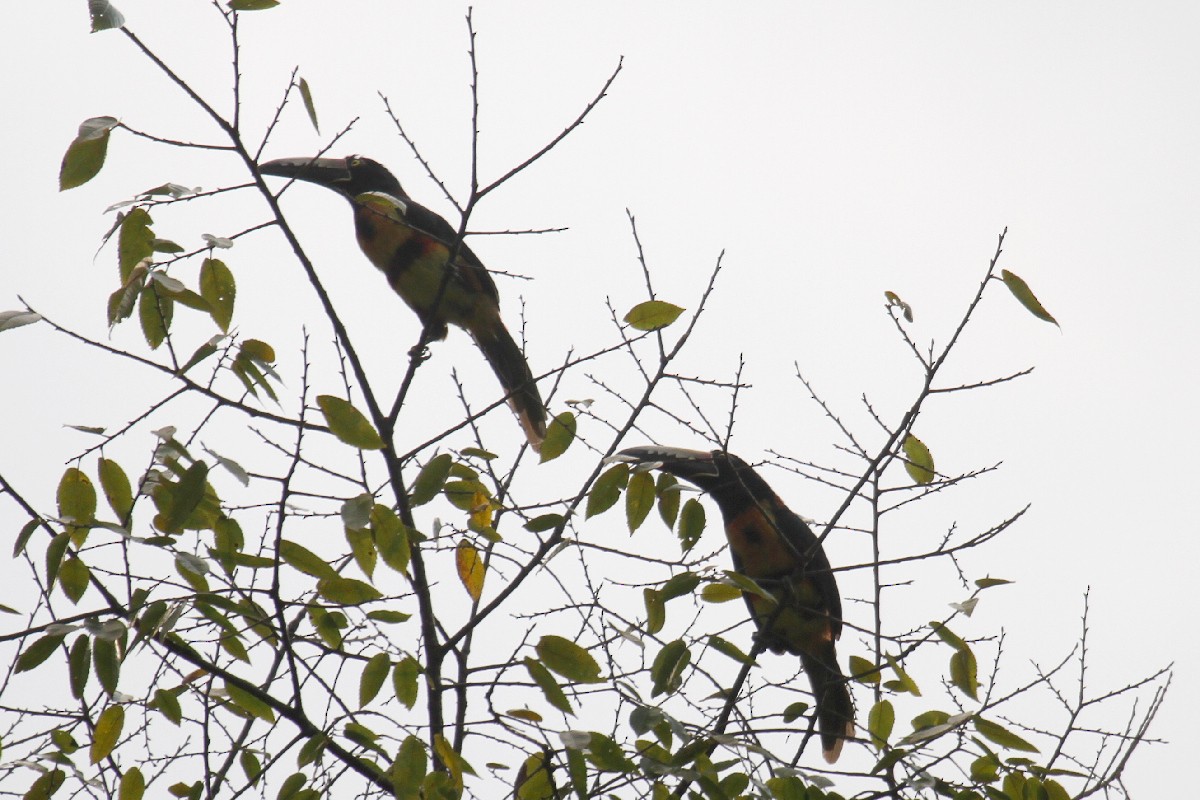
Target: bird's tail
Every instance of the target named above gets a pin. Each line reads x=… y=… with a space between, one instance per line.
x=510 y=366
x=834 y=708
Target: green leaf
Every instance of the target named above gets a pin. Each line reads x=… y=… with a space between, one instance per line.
x=606 y=755
x=1020 y=290
x=251 y=766
x=23 y=537
x=918 y=461
x=679 y=585
x=132 y=786
x=880 y=721
x=306 y=96
x=728 y=649
x=46 y=785
x=405 y=683
x=906 y=683
x=122 y=301
x=292 y=785
x=104 y=16
x=312 y=750
x=85 y=155
x=546 y=522
x=305 y=560
x=652 y=315
x=930 y=719
x=107 y=733
x=79 y=665
x=54 y=556
x=409 y=769
x=667 y=670
x=348 y=423
x=719 y=593
x=985 y=769
x=107 y=664
x=202 y=352
x=327 y=626
x=17 y=319
x=117 y=489
x=362 y=547
x=430 y=480
x=667 y=489
x=533 y=781
x=1055 y=790
x=864 y=671
x=987 y=583
x=155 y=312
x=748 y=585
x=185 y=498
x=568 y=659
x=167 y=703
x=549 y=686
x=948 y=636
x=346 y=591
x=249 y=702
x=691 y=524
x=135 y=242
x=1002 y=736
x=656 y=610
x=73 y=577
x=577 y=768
x=252 y=5
x=794 y=711
x=76 y=502
x=219 y=291
x=639 y=499
x=391 y=537
x=559 y=435
x=463 y=494
x=252 y=366
x=373 y=676
x=964 y=673
x=607 y=489
x=38 y=652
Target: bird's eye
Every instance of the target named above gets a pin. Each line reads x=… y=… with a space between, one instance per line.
x=355 y=162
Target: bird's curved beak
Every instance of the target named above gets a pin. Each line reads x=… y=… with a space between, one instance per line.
x=682 y=463
x=328 y=172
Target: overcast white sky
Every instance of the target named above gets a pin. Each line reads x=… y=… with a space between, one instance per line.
x=832 y=150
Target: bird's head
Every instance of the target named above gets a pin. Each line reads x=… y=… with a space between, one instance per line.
x=350 y=176
x=723 y=475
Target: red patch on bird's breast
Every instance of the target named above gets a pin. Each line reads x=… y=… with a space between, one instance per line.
x=759 y=548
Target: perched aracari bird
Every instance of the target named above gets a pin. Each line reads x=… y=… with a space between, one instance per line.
x=411 y=245
x=777 y=549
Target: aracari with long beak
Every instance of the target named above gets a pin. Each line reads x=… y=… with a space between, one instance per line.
x=777 y=549
x=411 y=245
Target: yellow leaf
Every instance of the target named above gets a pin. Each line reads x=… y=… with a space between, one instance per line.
x=653 y=315
x=482 y=509
x=559 y=435
x=348 y=423
x=918 y=460
x=108 y=732
x=1020 y=290
x=471 y=570
x=86 y=154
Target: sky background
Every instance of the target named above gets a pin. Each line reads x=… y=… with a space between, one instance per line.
x=832 y=151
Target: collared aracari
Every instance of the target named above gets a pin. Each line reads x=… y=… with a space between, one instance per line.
x=411 y=245
x=777 y=549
